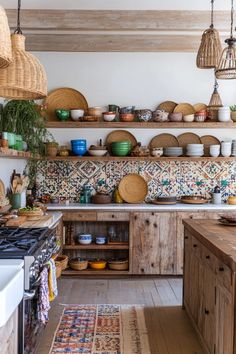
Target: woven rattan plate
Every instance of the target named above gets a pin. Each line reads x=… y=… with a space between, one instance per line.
x=133 y=188
x=65 y=98
x=199 y=106
x=188 y=138
x=163 y=140
x=120 y=135
x=209 y=140
x=167 y=106
x=184 y=108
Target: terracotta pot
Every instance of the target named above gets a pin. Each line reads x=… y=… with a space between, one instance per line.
x=51 y=149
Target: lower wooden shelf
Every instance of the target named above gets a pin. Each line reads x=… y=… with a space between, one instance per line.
x=96 y=247
x=95 y=271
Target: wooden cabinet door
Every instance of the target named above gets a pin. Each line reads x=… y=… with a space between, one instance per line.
x=180 y=235
x=154 y=243
x=224 y=321
x=187 y=273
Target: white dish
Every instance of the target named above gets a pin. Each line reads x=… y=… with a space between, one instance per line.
x=97 y=152
x=109 y=117
x=76 y=114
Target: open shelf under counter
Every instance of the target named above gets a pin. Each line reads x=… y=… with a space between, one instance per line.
x=138 y=158
x=95 y=272
x=141 y=125
x=96 y=247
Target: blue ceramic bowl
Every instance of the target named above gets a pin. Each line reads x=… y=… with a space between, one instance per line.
x=101 y=240
x=85 y=239
x=78 y=142
x=79 y=150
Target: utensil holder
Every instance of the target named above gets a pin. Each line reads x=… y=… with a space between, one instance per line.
x=15 y=200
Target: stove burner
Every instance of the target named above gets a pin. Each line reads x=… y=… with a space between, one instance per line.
x=25 y=246
x=37 y=233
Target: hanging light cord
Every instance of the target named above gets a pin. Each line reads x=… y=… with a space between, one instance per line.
x=232 y=18
x=212 y=14
x=18 y=28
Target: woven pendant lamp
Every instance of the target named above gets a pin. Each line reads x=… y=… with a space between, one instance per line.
x=226 y=70
x=210 y=48
x=5 y=40
x=25 y=78
x=215 y=103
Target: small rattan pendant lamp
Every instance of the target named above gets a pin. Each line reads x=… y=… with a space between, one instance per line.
x=210 y=48
x=226 y=68
x=215 y=102
x=25 y=78
x=5 y=40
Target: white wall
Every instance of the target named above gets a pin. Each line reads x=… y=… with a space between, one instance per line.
x=140 y=79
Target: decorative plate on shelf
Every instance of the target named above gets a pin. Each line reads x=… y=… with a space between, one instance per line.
x=184 y=108
x=133 y=188
x=65 y=98
x=2 y=189
x=167 y=106
x=209 y=140
x=200 y=107
x=188 y=138
x=120 y=135
x=163 y=140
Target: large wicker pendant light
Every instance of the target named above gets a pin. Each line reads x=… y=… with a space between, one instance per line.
x=227 y=64
x=25 y=78
x=5 y=40
x=210 y=48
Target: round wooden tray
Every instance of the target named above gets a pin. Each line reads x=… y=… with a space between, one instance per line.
x=184 y=108
x=194 y=201
x=64 y=98
x=188 y=138
x=133 y=188
x=120 y=135
x=163 y=203
x=199 y=107
x=227 y=223
x=167 y=106
x=164 y=140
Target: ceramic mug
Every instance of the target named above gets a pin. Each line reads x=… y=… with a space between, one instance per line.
x=113 y=108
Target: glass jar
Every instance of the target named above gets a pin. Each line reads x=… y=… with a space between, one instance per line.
x=64 y=151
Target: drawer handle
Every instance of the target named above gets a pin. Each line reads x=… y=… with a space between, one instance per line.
x=206 y=312
x=142 y=270
x=207 y=257
x=221 y=269
x=113 y=216
x=186 y=237
x=195 y=245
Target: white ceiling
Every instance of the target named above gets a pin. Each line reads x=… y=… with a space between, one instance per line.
x=119 y=4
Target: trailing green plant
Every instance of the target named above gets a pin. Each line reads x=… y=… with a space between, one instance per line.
x=233 y=108
x=23 y=118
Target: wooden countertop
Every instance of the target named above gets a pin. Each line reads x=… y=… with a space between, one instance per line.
x=219 y=239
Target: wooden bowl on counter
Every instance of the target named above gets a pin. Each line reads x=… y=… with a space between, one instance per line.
x=127 y=117
x=118 y=264
x=101 y=198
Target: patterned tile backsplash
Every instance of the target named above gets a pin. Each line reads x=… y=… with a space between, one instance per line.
x=66 y=178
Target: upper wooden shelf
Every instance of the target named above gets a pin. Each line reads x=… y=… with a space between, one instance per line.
x=151 y=125
x=135 y=158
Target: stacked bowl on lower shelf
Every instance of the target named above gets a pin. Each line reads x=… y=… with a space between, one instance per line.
x=234 y=148
x=195 y=150
x=99 y=264
x=173 y=151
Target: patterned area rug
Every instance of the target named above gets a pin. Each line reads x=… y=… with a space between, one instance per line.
x=101 y=329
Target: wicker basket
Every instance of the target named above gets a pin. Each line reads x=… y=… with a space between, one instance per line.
x=118 y=265
x=5 y=41
x=78 y=264
x=25 y=78
x=63 y=260
x=58 y=269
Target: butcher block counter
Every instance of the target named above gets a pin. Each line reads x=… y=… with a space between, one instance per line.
x=209 y=283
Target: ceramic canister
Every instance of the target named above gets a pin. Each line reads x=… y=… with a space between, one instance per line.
x=100 y=240
x=224 y=114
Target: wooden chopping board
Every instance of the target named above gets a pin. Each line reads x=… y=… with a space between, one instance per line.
x=44 y=221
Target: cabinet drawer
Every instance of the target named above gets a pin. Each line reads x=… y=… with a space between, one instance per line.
x=109 y=216
x=80 y=216
x=224 y=274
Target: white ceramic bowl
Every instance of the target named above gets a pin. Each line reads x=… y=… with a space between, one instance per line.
x=76 y=114
x=109 y=117
x=97 y=152
x=214 y=153
x=188 y=118
x=85 y=239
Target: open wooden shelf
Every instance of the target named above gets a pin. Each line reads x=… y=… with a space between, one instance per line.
x=95 y=272
x=132 y=158
x=18 y=156
x=141 y=125
x=96 y=247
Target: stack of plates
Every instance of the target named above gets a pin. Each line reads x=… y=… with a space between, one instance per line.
x=173 y=151
x=228 y=220
x=195 y=150
x=233 y=148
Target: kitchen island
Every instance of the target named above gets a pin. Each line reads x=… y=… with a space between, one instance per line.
x=209 y=283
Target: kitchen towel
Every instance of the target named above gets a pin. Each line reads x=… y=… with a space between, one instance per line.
x=52 y=280
x=43 y=305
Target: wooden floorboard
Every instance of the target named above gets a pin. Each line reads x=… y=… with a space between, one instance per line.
x=170 y=331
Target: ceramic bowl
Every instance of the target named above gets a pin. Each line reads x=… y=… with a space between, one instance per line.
x=143 y=115
x=127 y=109
x=95 y=111
x=231 y=200
x=97 y=152
x=109 y=116
x=160 y=116
x=62 y=114
x=101 y=240
x=99 y=264
x=84 y=239
x=76 y=114
x=127 y=117
x=175 y=117
x=188 y=118
x=199 y=118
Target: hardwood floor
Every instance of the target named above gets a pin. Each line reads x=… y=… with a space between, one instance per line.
x=170 y=331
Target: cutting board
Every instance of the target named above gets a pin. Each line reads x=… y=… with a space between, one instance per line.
x=44 y=221
x=17 y=221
